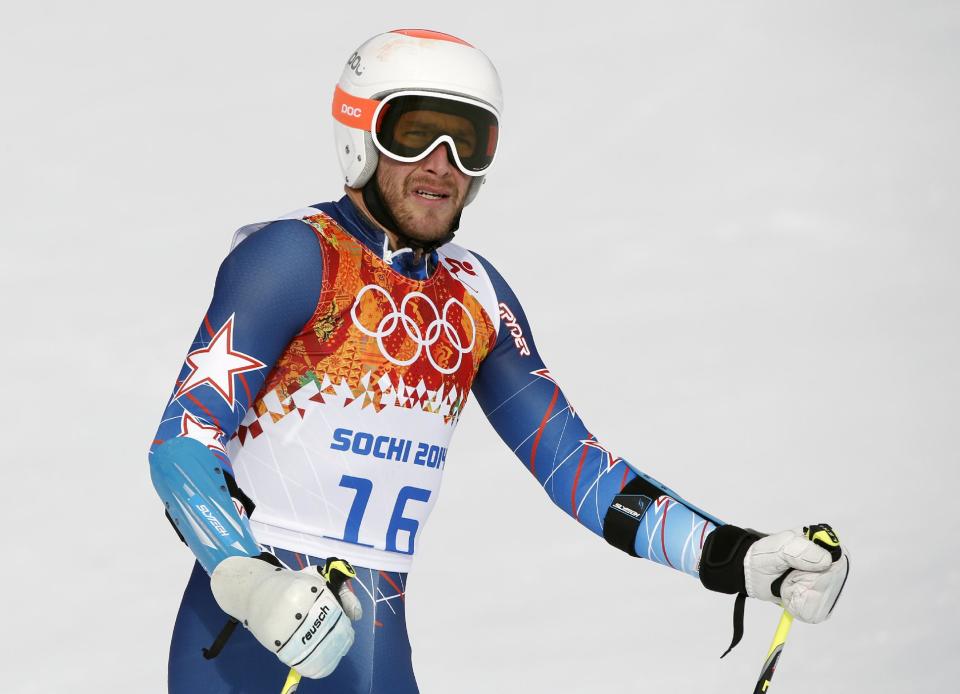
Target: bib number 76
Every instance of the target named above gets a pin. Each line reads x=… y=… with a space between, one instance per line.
x=398 y=522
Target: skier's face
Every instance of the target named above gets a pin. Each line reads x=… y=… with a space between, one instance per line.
x=424 y=196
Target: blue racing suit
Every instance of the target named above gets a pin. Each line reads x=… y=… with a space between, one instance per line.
x=311 y=419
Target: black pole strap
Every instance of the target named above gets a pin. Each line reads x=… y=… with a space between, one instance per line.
x=738 y=607
x=221 y=640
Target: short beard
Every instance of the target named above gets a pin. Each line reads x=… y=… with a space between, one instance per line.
x=434 y=228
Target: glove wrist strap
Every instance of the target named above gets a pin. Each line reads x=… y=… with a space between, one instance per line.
x=721 y=563
x=721 y=569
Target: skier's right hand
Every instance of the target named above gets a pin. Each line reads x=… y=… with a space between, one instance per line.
x=301 y=616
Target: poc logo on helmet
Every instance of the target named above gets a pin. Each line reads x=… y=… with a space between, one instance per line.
x=354 y=63
x=351 y=111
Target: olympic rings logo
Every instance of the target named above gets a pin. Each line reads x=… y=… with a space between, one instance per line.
x=397 y=318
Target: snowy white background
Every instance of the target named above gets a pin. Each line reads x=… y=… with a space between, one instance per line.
x=755 y=209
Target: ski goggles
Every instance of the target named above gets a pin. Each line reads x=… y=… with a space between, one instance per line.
x=409 y=125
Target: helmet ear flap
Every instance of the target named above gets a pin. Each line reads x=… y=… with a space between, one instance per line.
x=369 y=164
x=473 y=189
x=357 y=155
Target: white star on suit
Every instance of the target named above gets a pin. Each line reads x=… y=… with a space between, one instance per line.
x=216 y=364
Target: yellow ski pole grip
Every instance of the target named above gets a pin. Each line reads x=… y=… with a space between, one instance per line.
x=823 y=535
x=336 y=571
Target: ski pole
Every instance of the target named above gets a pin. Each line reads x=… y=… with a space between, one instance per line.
x=773 y=655
x=823 y=535
x=293 y=681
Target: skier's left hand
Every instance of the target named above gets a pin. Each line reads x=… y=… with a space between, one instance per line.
x=790 y=570
x=785 y=568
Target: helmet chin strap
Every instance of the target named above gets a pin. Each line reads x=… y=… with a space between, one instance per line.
x=377 y=206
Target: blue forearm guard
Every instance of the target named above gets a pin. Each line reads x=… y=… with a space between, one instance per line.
x=194 y=489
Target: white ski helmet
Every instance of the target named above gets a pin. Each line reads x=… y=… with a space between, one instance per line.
x=404 y=60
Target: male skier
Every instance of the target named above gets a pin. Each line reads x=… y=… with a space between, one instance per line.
x=309 y=425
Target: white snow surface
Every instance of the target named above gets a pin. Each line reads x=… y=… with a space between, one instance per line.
x=754 y=204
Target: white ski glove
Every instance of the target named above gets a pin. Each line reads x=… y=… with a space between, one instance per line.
x=811 y=588
x=805 y=576
x=301 y=616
